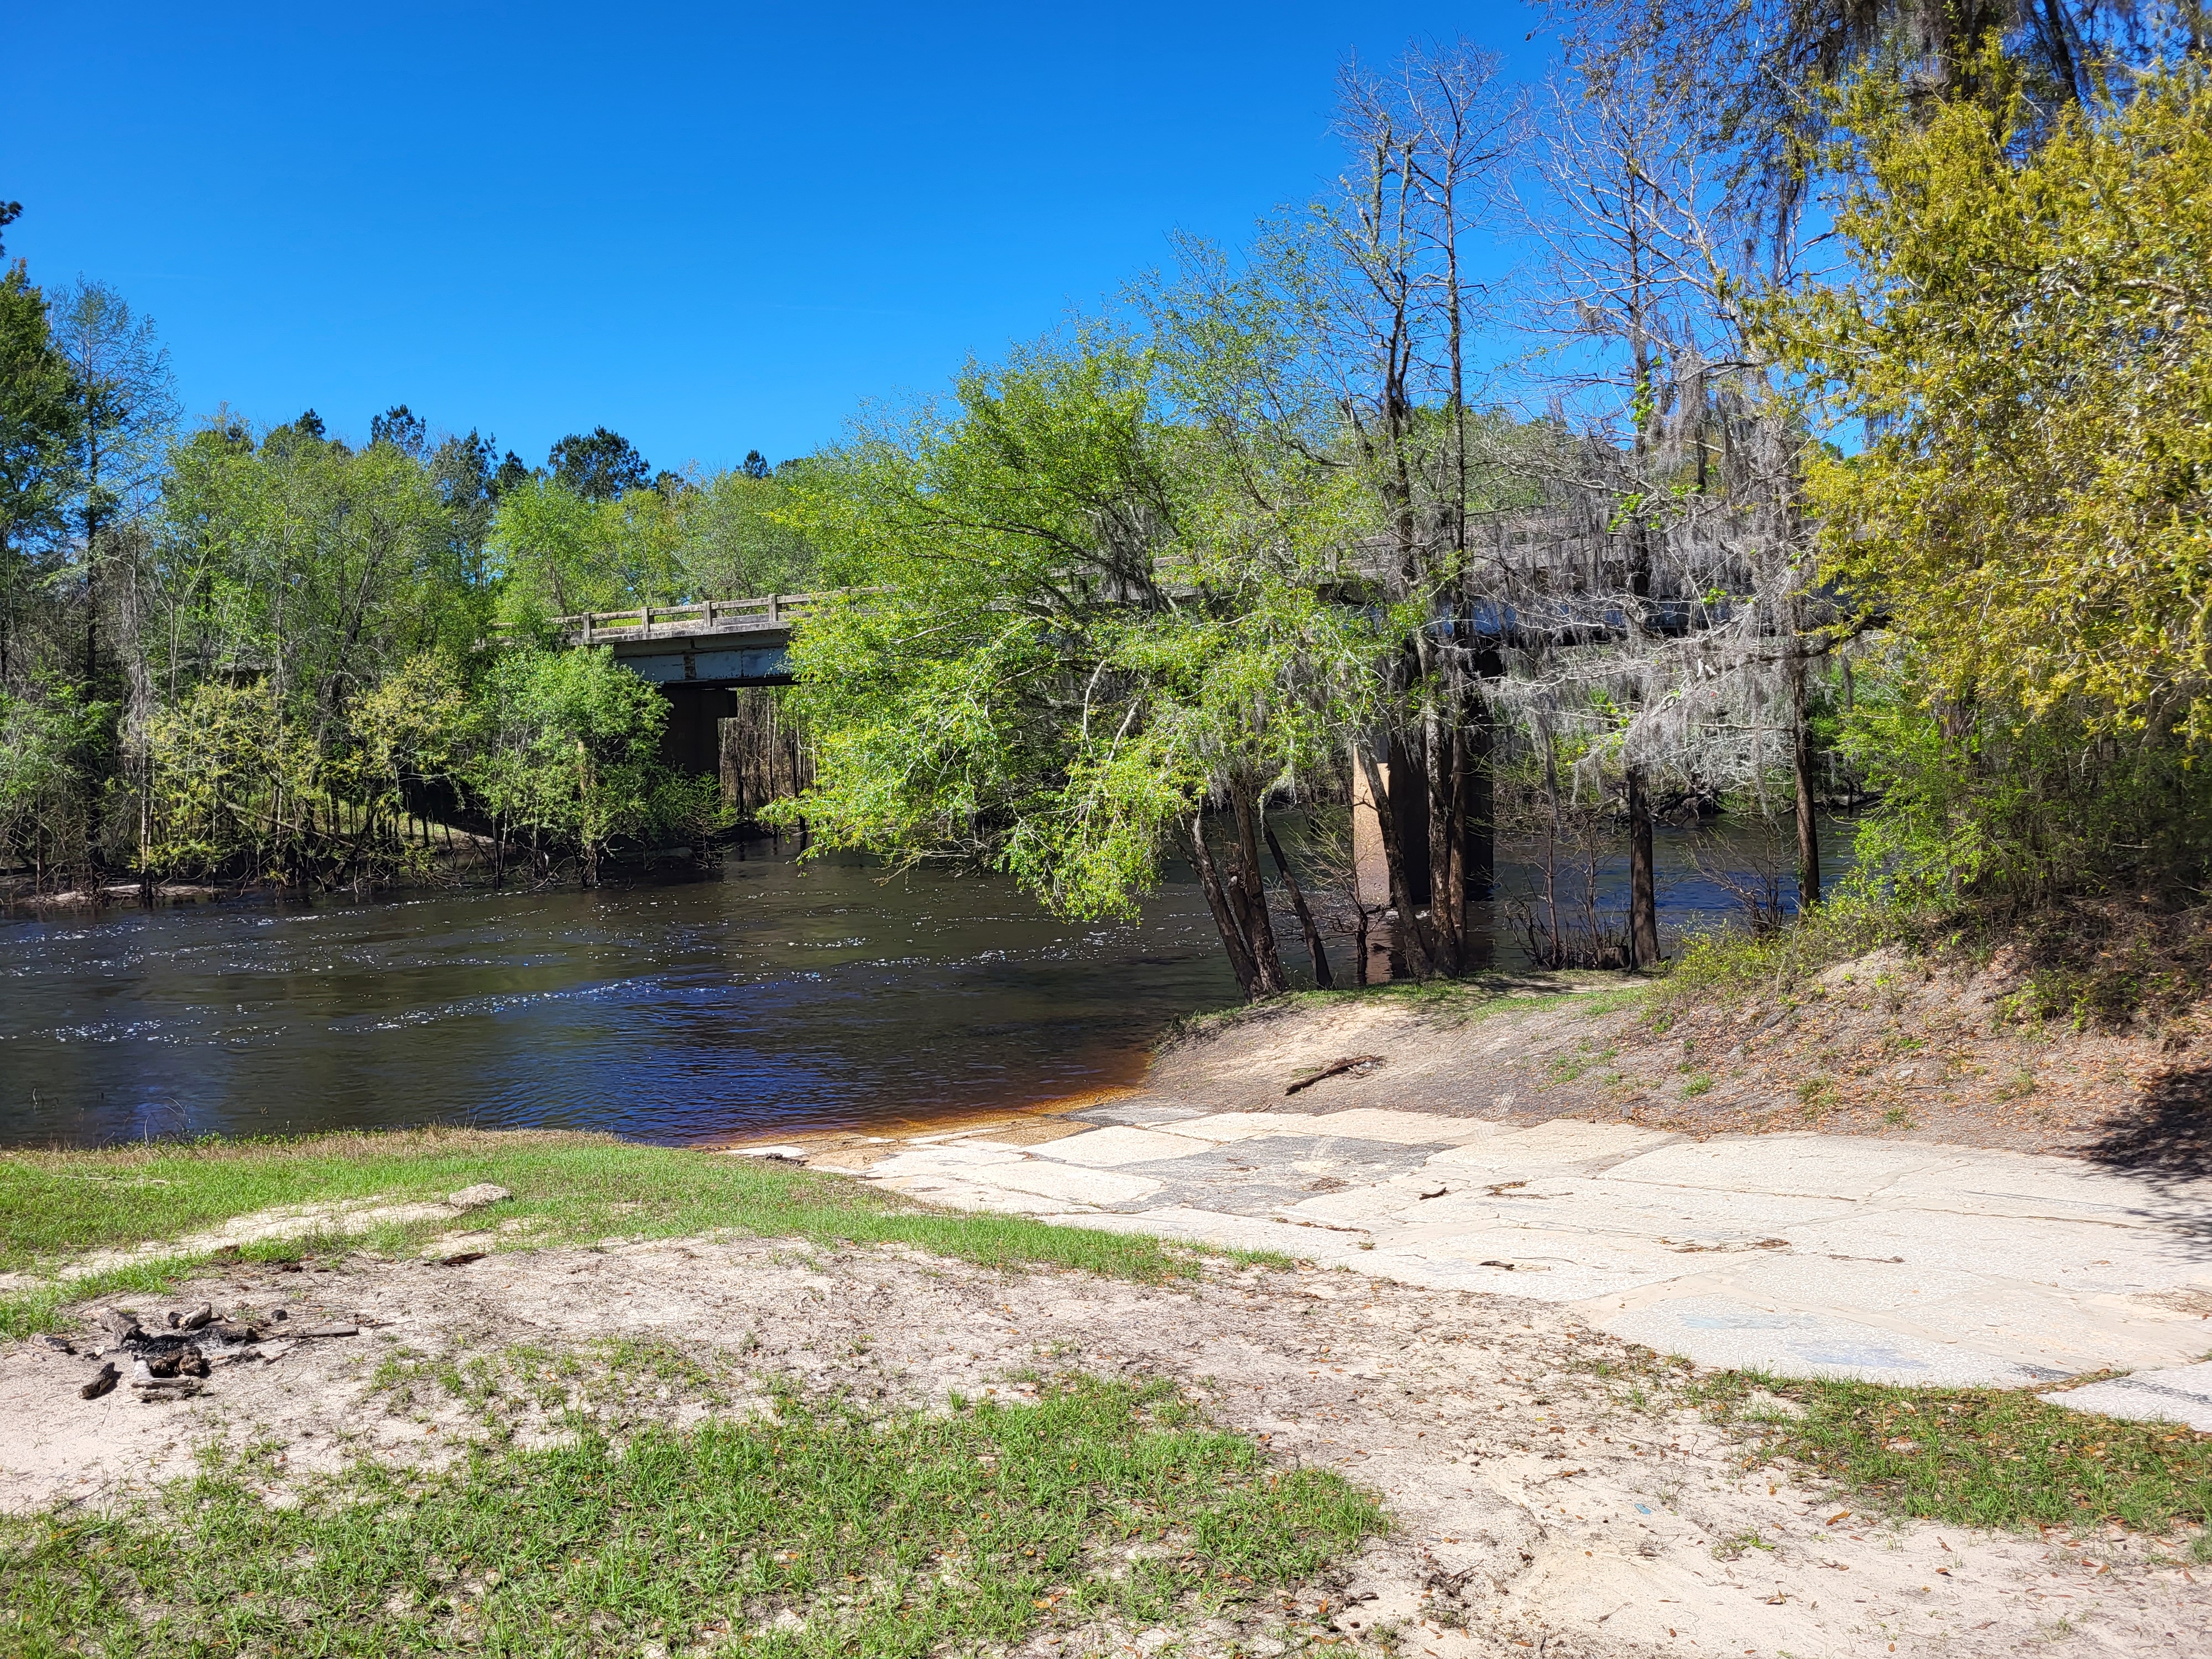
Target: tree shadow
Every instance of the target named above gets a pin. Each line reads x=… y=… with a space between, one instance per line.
x=2168 y=1133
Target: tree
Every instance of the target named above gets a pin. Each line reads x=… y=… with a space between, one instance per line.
x=1427 y=139
x=461 y=467
x=600 y=466
x=570 y=750
x=756 y=466
x=2028 y=341
x=55 y=749
x=122 y=405
x=562 y=554
x=36 y=423
x=401 y=427
x=316 y=567
x=1056 y=670
x=1756 y=71
x=511 y=472
x=742 y=537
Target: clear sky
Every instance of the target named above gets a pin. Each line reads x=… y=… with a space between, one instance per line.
x=711 y=228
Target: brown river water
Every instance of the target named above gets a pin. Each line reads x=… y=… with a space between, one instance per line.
x=765 y=995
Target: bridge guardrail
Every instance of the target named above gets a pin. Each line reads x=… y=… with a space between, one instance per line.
x=646 y=622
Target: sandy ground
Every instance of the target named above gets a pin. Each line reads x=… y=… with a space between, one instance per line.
x=1534 y=1508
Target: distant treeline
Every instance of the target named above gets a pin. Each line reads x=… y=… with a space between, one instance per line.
x=235 y=655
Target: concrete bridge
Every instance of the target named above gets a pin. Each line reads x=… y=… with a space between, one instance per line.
x=702 y=657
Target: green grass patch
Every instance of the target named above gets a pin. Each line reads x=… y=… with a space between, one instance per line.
x=56 y=1205
x=1983 y=1457
x=816 y=1531
x=1729 y=966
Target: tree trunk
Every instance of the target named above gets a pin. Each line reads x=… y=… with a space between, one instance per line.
x=1479 y=808
x=1412 y=932
x=1322 y=978
x=1642 y=893
x=1217 y=900
x=1260 y=928
x=1440 y=750
x=1809 y=831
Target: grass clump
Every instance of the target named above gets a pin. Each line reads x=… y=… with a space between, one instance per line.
x=1731 y=966
x=569 y=1188
x=813 y=1532
x=1983 y=1457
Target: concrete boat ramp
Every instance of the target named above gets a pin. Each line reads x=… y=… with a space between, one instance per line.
x=1802 y=1254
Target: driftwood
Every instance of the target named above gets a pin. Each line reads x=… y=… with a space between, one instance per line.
x=122 y=1324
x=167 y=1388
x=197 y=1317
x=1335 y=1068
x=104 y=1382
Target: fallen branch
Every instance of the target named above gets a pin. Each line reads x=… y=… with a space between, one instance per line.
x=1335 y=1068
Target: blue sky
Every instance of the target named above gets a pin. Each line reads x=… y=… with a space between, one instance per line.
x=713 y=229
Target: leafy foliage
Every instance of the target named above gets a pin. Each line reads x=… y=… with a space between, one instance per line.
x=1057 y=659
x=2030 y=344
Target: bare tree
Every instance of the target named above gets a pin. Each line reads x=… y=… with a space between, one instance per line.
x=1673 y=488
x=1428 y=137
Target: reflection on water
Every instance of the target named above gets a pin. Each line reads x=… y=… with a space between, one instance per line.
x=767 y=997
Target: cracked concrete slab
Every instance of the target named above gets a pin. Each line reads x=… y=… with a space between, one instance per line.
x=1803 y=1254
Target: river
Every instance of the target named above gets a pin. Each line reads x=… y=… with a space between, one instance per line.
x=768 y=994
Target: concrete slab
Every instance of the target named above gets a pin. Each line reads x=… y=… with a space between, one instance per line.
x=1404 y=1128
x=1072 y=1184
x=2182 y=1394
x=956 y=1158
x=1721 y=1330
x=1801 y=1165
x=2019 y=1184
x=1141 y=1113
x=1246 y=1125
x=1265 y=1175
x=2073 y=1255
x=1110 y=1148
x=1565 y=1145
x=1806 y=1254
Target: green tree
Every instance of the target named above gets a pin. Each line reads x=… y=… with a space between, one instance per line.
x=560 y=554
x=54 y=756
x=123 y=404
x=2029 y=342
x=1055 y=676
x=35 y=426
x=567 y=746
x=741 y=538
x=599 y=465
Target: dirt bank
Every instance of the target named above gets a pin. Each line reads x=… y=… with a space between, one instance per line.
x=1550 y=1489
x=1882 y=1046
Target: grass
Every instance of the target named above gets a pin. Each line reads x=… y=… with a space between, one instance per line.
x=55 y=1206
x=1984 y=1457
x=1730 y=966
x=813 y=1532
